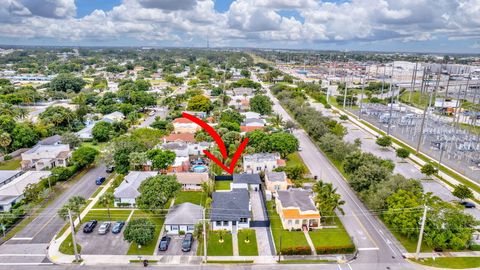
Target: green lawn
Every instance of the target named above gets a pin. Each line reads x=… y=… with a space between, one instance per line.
x=99 y=205
x=102 y=215
x=98 y=146
x=195 y=197
x=409 y=244
x=12 y=164
x=294 y=159
x=158 y=220
x=331 y=237
x=222 y=185
x=215 y=248
x=418 y=99
x=288 y=239
x=250 y=248
x=451 y=262
x=67 y=246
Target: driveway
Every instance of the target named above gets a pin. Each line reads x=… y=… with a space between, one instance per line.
x=264 y=242
x=107 y=244
x=175 y=247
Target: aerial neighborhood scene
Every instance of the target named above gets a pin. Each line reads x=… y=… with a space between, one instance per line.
x=202 y=134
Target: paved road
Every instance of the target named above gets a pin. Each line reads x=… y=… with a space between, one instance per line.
x=406 y=168
x=161 y=112
x=30 y=243
x=375 y=243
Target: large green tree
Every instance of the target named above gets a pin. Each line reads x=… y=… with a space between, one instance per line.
x=261 y=104
x=67 y=82
x=139 y=231
x=102 y=131
x=161 y=159
x=156 y=191
x=83 y=156
x=199 y=103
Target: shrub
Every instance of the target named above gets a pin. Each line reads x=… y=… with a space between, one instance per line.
x=296 y=251
x=403 y=153
x=475 y=247
x=123 y=204
x=343 y=117
x=7 y=157
x=335 y=249
x=181 y=232
x=328 y=106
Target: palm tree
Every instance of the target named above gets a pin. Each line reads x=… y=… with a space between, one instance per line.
x=277 y=120
x=106 y=199
x=327 y=199
x=5 y=140
x=22 y=113
x=238 y=102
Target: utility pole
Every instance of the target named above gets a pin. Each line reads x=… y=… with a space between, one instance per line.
x=391 y=101
x=361 y=98
x=383 y=78
x=422 y=227
x=423 y=117
x=72 y=227
x=345 y=94
x=204 y=235
x=414 y=81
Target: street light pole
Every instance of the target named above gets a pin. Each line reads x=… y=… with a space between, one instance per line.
x=204 y=236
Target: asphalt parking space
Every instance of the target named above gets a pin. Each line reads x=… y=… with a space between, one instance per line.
x=107 y=244
x=175 y=247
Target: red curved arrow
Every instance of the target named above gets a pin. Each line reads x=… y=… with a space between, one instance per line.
x=210 y=130
x=220 y=143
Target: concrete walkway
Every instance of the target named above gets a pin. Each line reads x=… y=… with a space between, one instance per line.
x=309 y=241
x=235 y=241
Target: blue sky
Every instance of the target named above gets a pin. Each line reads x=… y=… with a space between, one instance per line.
x=376 y=25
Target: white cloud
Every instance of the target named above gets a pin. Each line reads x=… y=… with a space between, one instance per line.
x=246 y=21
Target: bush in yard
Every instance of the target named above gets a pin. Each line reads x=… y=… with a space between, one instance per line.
x=139 y=231
x=7 y=157
x=181 y=232
x=63 y=173
x=296 y=251
x=403 y=153
x=328 y=106
x=84 y=156
x=343 y=117
x=335 y=249
x=124 y=204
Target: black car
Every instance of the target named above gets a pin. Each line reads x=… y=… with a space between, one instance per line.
x=468 y=204
x=187 y=242
x=117 y=227
x=100 y=180
x=89 y=226
x=110 y=169
x=164 y=242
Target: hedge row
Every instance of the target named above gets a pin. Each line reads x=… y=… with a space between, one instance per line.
x=296 y=251
x=335 y=249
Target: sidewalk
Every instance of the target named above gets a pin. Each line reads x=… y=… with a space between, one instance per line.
x=444 y=254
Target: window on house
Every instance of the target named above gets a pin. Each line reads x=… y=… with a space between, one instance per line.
x=175 y=228
x=289 y=222
x=225 y=223
x=190 y=228
x=297 y=221
x=243 y=220
x=277 y=187
x=259 y=168
x=218 y=223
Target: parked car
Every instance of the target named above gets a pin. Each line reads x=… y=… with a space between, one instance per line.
x=110 y=169
x=100 y=180
x=468 y=204
x=117 y=227
x=104 y=227
x=187 y=242
x=164 y=242
x=89 y=226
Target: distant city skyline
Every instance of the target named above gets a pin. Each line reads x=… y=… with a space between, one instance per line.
x=450 y=26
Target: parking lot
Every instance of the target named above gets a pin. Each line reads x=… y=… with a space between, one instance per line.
x=94 y=243
x=175 y=247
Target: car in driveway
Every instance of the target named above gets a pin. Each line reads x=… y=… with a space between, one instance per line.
x=164 y=242
x=468 y=204
x=187 y=242
x=104 y=227
x=117 y=227
x=89 y=226
x=100 y=180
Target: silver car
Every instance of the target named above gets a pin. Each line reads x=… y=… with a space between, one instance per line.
x=104 y=227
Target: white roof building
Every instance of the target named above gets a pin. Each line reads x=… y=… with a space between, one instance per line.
x=12 y=192
x=128 y=192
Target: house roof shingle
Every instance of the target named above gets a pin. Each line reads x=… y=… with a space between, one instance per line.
x=296 y=198
x=184 y=214
x=231 y=205
x=247 y=178
x=276 y=176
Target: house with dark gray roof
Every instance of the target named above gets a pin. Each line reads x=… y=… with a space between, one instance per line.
x=246 y=181
x=183 y=217
x=230 y=210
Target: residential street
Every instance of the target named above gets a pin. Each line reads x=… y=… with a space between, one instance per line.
x=29 y=245
x=374 y=242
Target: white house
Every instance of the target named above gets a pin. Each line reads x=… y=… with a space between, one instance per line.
x=183 y=217
x=250 y=115
x=128 y=192
x=185 y=149
x=246 y=181
x=113 y=117
x=46 y=156
x=266 y=162
x=230 y=210
x=12 y=192
x=86 y=132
